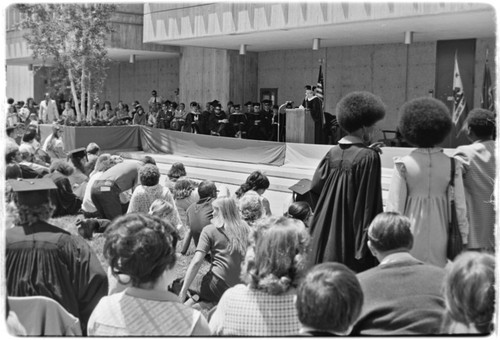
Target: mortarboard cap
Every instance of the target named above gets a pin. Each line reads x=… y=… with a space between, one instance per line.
x=308 y=87
x=301 y=187
x=237 y=106
x=266 y=101
x=78 y=153
x=248 y=103
x=32 y=192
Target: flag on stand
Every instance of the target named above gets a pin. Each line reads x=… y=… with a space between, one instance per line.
x=319 y=85
x=459 y=104
x=319 y=91
x=487 y=98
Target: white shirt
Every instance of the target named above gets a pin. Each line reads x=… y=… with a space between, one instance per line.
x=48 y=111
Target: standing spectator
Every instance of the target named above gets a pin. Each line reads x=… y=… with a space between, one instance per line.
x=12 y=115
x=273 y=266
x=42 y=259
x=31 y=106
x=479 y=166
x=199 y=214
x=402 y=294
x=347 y=188
x=53 y=144
x=256 y=183
x=469 y=290
x=143 y=248
x=420 y=180
x=329 y=300
x=226 y=240
x=48 y=110
x=155 y=99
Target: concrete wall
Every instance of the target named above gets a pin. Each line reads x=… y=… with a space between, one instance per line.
x=129 y=82
x=21 y=85
x=380 y=69
x=208 y=74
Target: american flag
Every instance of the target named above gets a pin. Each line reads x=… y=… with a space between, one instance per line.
x=319 y=85
x=459 y=104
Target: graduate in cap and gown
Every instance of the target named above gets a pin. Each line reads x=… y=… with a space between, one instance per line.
x=42 y=259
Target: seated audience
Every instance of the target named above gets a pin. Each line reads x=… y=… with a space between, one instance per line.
x=329 y=300
x=63 y=198
x=479 y=168
x=273 y=266
x=79 y=178
x=199 y=214
x=176 y=171
x=27 y=160
x=143 y=247
x=469 y=290
x=42 y=259
x=92 y=154
x=185 y=194
x=258 y=183
x=149 y=190
x=300 y=210
x=251 y=208
x=140 y=117
x=166 y=211
x=53 y=144
x=226 y=240
x=402 y=294
x=12 y=160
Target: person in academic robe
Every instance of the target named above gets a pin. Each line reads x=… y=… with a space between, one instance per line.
x=346 y=187
x=42 y=259
x=218 y=122
x=314 y=106
x=238 y=122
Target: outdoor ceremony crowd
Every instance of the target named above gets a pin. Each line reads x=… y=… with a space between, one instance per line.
x=340 y=263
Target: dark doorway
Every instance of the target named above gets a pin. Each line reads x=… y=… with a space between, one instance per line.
x=445 y=61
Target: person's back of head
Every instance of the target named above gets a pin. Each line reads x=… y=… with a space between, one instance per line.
x=183 y=188
x=103 y=162
x=161 y=208
x=140 y=246
x=257 y=181
x=207 y=189
x=93 y=148
x=29 y=135
x=469 y=291
x=390 y=232
x=148 y=160
x=276 y=259
x=300 y=210
x=482 y=123
x=62 y=167
x=329 y=299
x=176 y=171
x=149 y=175
x=251 y=208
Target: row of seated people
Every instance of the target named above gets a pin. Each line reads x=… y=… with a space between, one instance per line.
x=260 y=281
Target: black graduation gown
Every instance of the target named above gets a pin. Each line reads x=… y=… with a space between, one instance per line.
x=347 y=194
x=216 y=128
x=42 y=259
x=238 y=124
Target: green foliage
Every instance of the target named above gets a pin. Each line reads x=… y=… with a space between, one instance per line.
x=72 y=37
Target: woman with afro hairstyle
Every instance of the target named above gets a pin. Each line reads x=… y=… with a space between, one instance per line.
x=346 y=187
x=478 y=168
x=420 y=180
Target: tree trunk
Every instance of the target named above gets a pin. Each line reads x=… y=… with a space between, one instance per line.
x=83 y=90
x=73 y=91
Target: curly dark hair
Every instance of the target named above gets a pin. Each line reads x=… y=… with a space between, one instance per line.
x=140 y=246
x=176 y=171
x=424 y=122
x=481 y=122
x=29 y=135
x=257 y=180
x=149 y=175
x=358 y=109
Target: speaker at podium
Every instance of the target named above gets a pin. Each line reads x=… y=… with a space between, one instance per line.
x=299 y=126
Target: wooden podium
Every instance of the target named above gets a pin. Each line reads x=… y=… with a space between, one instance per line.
x=299 y=126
